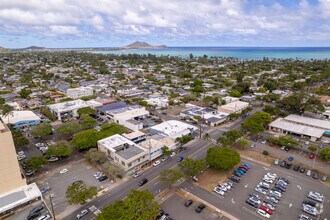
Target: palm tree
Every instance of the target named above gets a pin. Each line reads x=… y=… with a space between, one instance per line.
x=7 y=110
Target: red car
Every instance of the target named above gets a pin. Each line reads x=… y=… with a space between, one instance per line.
x=244 y=168
x=311 y=156
x=269 y=211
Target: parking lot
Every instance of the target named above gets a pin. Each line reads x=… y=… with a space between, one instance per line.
x=290 y=204
x=59 y=182
x=175 y=207
x=24 y=213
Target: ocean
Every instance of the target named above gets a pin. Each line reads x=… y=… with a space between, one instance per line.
x=242 y=53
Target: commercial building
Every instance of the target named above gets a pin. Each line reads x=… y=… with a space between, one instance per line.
x=233 y=107
x=208 y=115
x=154 y=144
x=69 y=109
x=302 y=126
x=21 y=119
x=123 y=152
x=159 y=102
x=13 y=189
x=173 y=129
x=79 y=92
x=128 y=115
x=135 y=136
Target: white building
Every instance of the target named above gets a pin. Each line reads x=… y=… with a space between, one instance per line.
x=154 y=144
x=230 y=99
x=77 y=93
x=123 y=152
x=21 y=119
x=302 y=126
x=69 y=109
x=128 y=116
x=173 y=129
x=159 y=102
x=233 y=107
x=209 y=115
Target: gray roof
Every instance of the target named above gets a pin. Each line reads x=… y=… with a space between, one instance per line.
x=111 y=106
x=129 y=152
x=12 y=198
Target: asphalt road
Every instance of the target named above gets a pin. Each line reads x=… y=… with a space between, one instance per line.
x=195 y=149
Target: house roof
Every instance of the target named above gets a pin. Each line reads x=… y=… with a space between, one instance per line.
x=18 y=116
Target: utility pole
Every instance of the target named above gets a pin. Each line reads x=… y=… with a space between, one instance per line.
x=51 y=205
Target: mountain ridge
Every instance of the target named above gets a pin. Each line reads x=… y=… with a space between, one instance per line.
x=143 y=45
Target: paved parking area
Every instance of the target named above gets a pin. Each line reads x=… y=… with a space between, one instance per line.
x=23 y=213
x=59 y=182
x=290 y=205
x=175 y=207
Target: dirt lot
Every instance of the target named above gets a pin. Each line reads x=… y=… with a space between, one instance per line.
x=211 y=177
x=175 y=111
x=257 y=156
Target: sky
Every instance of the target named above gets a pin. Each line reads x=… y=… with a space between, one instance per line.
x=112 y=23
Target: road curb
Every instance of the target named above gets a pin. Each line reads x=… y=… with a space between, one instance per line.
x=209 y=205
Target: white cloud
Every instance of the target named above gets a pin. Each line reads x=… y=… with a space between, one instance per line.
x=166 y=17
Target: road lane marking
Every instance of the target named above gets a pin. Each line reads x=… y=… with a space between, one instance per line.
x=299 y=187
x=290 y=205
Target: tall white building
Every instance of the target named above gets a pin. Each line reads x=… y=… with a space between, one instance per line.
x=77 y=93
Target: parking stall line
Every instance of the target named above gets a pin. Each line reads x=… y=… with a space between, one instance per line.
x=252 y=212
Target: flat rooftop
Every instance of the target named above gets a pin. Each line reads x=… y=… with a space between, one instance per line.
x=17 y=116
x=69 y=106
x=174 y=128
x=18 y=196
x=121 y=146
x=309 y=121
x=286 y=125
x=133 y=135
x=208 y=114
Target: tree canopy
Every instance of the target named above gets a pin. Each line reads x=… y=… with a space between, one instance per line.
x=41 y=130
x=192 y=167
x=325 y=153
x=229 y=138
x=35 y=163
x=222 y=158
x=19 y=139
x=283 y=141
x=79 y=193
x=86 y=111
x=60 y=149
x=139 y=205
x=257 y=122
x=68 y=128
x=170 y=176
x=96 y=156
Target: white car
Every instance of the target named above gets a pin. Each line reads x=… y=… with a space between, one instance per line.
x=82 y=213
x=219 y=191
x=20 y=153
x=21 y=157
x=263 y=213
x=137 y=174
x=63 y=171
x=172 y=154
x=272 y=175
x=316 y=196
x=276 y=193
x=263 y=141
x=266 y=185
x=260 y=190
x=276 y=162
x=255 y=200
x=268 y=180
x=156 y=163
x=252 y=145
x=164 y=159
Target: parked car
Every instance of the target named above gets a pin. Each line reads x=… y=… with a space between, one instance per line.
x=188 y=203
x=263 y=141
x=234 y=179
x=102 y=178
x=316 y=175
x=324 y=178
x=290 y=158
x=82 y=213
x=137 y=174
x=296 y=167
x=308 y=202
x=311 y=156
x=310 y=210
x=246 y=165
x=251 y=203
x=164 y=158
x=200 y=208
x=302 y=170
x=315 y=196
x=266 y=209
x=156 y=163
x=308 y=173
x=283 y=163
x=263 y=213
x=276 y=162
x=252 y=145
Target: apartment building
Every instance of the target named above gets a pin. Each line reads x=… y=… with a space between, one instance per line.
x=123 y=152
x=79 y=92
